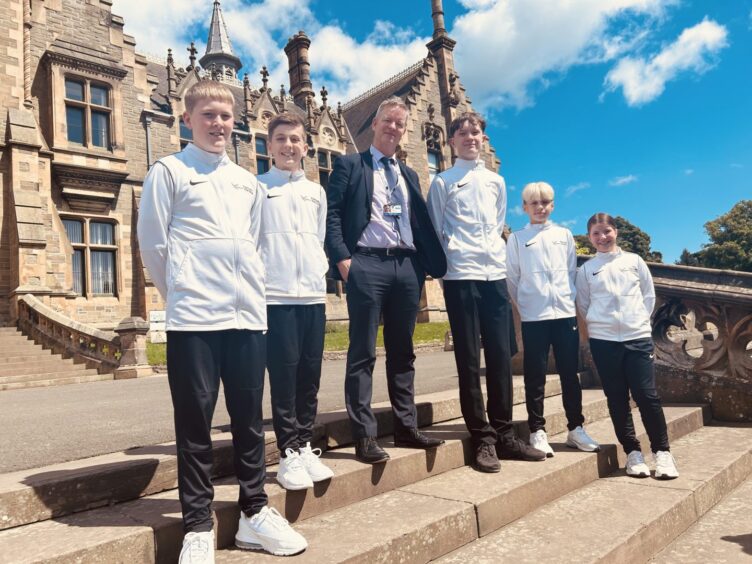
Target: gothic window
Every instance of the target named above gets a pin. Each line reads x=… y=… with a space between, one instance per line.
x=88 y=110
x=186 y=135
x=325 y=162
x=94 y=256
x=434 y=164
x=262 y=156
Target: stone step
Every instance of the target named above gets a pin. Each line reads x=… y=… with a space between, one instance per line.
x=31 y=356
x=420 y=521
x=723 y=534
x=11 y=338
x=623 y=519
x=25 y=345
x=55 y=379
x=37 y=494
x=39 y=366
x=160 y=513
x=8 y=330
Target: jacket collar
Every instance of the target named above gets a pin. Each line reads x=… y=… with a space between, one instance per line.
x=205 y=157
x=539 y=226
x=469 y=165
x=285 y=175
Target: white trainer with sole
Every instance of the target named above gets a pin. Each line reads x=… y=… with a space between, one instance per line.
x=317 y=470
x=579 y=439
x=539 y=440
x=291 y=473
x=665 y=465
x=268 y=530
x=198 y=548
x=636 y=466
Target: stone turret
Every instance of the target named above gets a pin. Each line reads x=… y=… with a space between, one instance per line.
x=219 y=49
x=441 y=47
x=299 y=68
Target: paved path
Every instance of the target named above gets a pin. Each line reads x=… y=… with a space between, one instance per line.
x=42 y=426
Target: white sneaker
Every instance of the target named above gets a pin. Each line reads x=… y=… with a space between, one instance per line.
x=291 y=473
x=198 y=548
x=636 y=466
x=665 y=465
x=316 y=469
x=539 y=440
x=579 y=439
x=269 y=531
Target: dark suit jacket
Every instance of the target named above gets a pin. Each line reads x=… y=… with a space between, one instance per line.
x=349 y=198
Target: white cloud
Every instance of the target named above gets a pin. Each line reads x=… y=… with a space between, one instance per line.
x=689 y=171
x=623 y=180
x=525 y=45
x=568 y=223
x=643 y=80
x=576 y=188
x=517 y=210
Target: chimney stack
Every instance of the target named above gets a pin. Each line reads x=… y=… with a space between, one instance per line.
x=299 y=68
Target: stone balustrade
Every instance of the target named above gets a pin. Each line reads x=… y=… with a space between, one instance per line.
x=122 y=352
x=716 y=367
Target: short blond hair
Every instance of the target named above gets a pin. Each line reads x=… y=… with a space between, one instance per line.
x=391 y=102
x=207 y=89
x=537 y=191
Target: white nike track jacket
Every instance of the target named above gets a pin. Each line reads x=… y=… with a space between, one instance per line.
x=293 y=226
x=616 y=297
x=541 y=269
x=198 y=226
x=468 y=205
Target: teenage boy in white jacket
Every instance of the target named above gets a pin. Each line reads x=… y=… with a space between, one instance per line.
x=197 y=229
x=541 y=268
x=467 y=204
x=293 y=226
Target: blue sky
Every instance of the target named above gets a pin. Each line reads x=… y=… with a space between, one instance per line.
x=641 y=108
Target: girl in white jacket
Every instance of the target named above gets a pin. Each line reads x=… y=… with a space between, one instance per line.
x=615 y=295
x=293 y=225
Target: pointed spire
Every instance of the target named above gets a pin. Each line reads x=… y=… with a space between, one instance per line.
x=218 y=46
x=171 y=75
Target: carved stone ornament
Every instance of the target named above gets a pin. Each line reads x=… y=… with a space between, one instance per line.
x=84 y=58
x=328 y=136
x=266 y=117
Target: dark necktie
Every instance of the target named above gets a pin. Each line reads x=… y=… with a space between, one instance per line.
x=395 y=194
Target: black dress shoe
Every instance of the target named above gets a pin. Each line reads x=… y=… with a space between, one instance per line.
x=413 y=438
x=368 y=450
x=513 y=448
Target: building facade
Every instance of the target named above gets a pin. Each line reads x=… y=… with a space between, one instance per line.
x=84 y=115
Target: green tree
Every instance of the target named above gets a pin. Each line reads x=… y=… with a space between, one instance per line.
x=688 y=259
x=731 y=240
x=631 y=238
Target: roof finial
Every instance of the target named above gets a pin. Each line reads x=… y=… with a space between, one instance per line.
x=437 y=13
x=264 y=77
x=324 y=95
x=192 y=56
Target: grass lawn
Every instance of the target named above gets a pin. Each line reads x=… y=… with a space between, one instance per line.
x=336 y=339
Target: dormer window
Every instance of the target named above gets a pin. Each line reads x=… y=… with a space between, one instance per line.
x=88 y=110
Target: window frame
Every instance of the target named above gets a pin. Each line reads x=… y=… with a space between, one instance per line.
x=89 y=108
x=329 y=157
x=88 y=247
x=266 y=158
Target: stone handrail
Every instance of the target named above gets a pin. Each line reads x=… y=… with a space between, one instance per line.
x=122 y=352
x=98 y=349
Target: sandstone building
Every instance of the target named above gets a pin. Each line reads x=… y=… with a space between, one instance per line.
x=84 y=115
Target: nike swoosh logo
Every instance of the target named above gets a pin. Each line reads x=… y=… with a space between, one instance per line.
x=461 y=185
x=652 y=355
x=270 y=196
x=530 y=243
x=199 y=181
x=597 y=273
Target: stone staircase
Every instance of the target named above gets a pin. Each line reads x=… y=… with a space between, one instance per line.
x=24 y=364
x=419 y=506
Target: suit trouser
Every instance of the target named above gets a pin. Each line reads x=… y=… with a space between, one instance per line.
x=196 y=362
x=376 y=285
x=480 y=309
x=537 y=338
x=626 y=367
x=294 y=347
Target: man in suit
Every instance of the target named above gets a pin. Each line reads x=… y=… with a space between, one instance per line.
x=380 y=237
